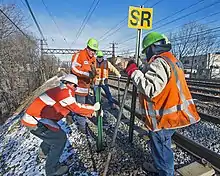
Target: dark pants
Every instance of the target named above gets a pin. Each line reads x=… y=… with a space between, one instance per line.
x=160 y=144
x=105 y=87
x=80 y=120
x=52 y=146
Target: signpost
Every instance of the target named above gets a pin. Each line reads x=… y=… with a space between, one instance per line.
x=138 y=18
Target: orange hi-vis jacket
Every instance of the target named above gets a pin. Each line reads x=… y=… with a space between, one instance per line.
x=174 y=106
x=81 y=65
x=52 y=106
x=102 y=69
x=102 y=72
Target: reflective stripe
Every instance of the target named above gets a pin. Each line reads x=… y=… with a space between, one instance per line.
x=184 y=106
x=85 y=106
x=34 y=121
x=67 y=101
x=46 y=99
x=75 y=64
x=29 y=119
x=82 y=90
x=99 y=79
x=182 y=97
x=152 y=114
x=173 y=109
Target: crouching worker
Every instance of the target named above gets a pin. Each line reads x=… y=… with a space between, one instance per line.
x=102 y=68
x=165 y=99
x=42 y=115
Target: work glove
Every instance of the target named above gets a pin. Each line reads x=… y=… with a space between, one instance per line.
x=97 y=106
x=96 y=113
x=131 y=67
x=119 y=76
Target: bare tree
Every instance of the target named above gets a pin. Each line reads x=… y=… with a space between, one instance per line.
x=193 y=39
x=20 y=62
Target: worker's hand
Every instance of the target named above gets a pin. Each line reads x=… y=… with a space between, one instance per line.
x=119 y=76
x=95 y=113
x=97 y=106
x=131 y=67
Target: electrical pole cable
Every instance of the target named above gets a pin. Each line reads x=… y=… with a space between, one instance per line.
x=35 y=21
x=51 y=16
x=86 y=19
x=176 y=19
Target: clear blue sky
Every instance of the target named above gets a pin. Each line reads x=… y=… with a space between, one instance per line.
x=69 y=15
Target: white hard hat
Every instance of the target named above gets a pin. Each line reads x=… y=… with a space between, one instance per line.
x=70 y=78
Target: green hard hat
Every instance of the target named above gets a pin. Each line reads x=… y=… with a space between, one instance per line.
x=152 y=38
x=93 y=44
x=99 y=54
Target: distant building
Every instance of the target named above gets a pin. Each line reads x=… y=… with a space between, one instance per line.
x=120 y=62
x=204 y=66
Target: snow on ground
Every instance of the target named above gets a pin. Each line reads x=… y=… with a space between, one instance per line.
x=19 y=148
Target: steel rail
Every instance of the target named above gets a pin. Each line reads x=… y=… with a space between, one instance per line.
x=215 y=86
x=210 y=94
x=206 y=117
x=188 y=145
x=205 y=82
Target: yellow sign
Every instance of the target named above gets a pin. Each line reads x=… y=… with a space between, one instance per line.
x=140 y=18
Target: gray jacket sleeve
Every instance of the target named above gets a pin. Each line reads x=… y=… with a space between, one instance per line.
x=153 y=80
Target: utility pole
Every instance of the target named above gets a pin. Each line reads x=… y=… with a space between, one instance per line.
x=113 y=51
x=42 y=68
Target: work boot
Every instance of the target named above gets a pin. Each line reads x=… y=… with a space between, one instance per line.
x=148 y=167
x=61 y=170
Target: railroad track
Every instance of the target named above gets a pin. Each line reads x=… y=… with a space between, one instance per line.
x=206 y=117
x=215 y=85
x=185 y=143
x=197 y=92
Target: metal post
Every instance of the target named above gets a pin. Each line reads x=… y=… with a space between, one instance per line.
x=42 y=66
x=119 y=91
x=99 y=143
x=134 y=91
x=116 y=128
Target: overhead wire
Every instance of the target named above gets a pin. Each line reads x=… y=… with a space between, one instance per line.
x=20 y=30
x=52 y=18
x=35 y=21
x=200 y=33
x=87 y=14
x=116 y=30
x=181 y=17
x=13 y=23
x=213 y=21
x=197 y=21
x=86 y=19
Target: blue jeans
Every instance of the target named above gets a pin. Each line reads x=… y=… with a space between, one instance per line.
x=160 y=144
x=105 y=87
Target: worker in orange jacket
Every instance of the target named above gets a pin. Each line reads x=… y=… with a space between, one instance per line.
x=165 y=99
x=103 y=66
x=83 y=66
x=45 y=111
